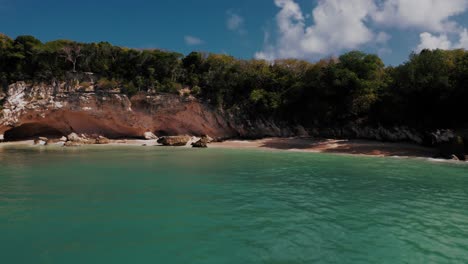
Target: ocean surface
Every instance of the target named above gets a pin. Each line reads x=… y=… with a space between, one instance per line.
x=167 y=205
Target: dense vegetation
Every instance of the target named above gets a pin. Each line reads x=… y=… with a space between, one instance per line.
x=427 y=91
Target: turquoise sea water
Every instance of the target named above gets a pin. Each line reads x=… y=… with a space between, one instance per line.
x=167 y=205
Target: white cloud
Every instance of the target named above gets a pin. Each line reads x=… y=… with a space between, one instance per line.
x=463 y=42
x=430 y=15
x=235 y=22
x=442 y=41
x=429 y=41
x=340 y=25
x=192 y=41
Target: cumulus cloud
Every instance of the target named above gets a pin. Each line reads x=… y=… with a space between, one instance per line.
x=339 y=25
x=431 y=15
x=442 y=41
x=429 y=41
x=235 y=22
x=192 y=41
x=463 y=41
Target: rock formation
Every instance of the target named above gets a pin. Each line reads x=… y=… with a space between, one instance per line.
x=30 y=111
x=150 y=136
x=175 y=141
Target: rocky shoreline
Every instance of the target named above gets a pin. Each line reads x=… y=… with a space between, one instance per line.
x=74 y=117
x=294 y=144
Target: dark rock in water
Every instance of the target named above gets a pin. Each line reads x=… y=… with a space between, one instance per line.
x=175 y=141
x=200 y=144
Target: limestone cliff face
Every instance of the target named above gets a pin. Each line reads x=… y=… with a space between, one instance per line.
x=46 y=110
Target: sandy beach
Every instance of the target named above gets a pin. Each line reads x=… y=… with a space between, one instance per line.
x=355 y=147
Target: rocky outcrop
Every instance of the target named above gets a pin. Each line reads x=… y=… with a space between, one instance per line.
x=74 y=137
x=102 y=140
x=449 y=144
x=150 y=136
x=71 y=144
x=29 y=111
x=51 y=110
x=175 y=141
x=41 y=141
x=83 y=139
x=393 y=134
x=202 y=142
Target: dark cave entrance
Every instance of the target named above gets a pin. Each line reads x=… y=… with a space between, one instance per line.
x=30 y=131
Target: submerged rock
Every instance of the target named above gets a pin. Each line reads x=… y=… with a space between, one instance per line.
x=175 y=141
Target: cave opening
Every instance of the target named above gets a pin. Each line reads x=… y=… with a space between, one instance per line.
x=31 y=131
x=162 y=133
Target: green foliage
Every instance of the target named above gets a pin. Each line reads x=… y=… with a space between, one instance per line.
x=107 y=85
x=429 y=90
x=130 y=89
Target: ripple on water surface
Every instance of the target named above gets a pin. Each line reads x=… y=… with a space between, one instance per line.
x=134 y=205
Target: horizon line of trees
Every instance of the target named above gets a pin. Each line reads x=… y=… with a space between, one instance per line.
x=427 y=91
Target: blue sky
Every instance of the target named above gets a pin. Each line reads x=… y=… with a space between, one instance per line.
x=306 y=29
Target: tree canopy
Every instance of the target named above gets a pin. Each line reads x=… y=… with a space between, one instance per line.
x=428 y=90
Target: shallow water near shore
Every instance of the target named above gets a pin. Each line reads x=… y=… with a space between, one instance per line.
x=128 y=204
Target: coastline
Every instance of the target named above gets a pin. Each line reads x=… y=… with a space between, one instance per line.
x=334 y=146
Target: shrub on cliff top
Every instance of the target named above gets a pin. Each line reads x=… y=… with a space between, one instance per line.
x=107 y=85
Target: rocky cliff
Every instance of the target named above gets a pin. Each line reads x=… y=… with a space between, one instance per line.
x=52 y=110
x=29 y=111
